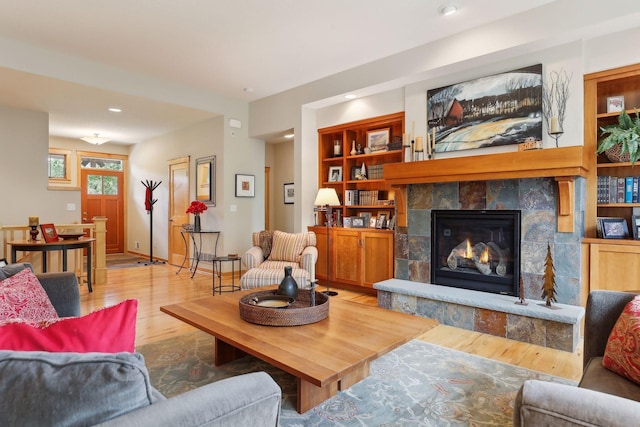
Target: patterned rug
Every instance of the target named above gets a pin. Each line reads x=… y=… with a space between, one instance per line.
x=417 y=384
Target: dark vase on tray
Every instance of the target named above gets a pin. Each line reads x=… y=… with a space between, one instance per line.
x=196 y=224
x=288 y=287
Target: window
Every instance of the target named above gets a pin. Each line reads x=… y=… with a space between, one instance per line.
x=102 y=184
x=101 y=163
x=58 y=165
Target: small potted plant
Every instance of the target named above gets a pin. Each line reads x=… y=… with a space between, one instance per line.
x=196 y=208
x=621 y=145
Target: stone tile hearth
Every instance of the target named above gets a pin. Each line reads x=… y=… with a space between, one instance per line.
x=494 y=314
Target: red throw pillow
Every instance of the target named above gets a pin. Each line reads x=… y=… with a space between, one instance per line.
x=110 y=330
x=23 y=297
x=622 y=353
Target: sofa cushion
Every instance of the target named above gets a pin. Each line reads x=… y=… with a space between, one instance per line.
x=598 y=378
x=287 y=246
x=623 y=345
x=110 y=330
x=70 y=389
x=22 y=297
x=11 y=269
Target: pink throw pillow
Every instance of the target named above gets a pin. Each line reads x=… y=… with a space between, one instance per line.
x=110 y=330
x=622 y=353
x=23 y=297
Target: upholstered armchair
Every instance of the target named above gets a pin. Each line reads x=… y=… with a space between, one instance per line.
x=272 y=251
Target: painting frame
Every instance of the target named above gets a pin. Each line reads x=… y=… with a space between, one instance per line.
x=245 y=185
x=615 y=104
x=206 y=180
x=289 y=193
x=49 y=233
x=491 y=111
x=378 y=139
x=357 y=222
x=335 y=174
x=614 y=228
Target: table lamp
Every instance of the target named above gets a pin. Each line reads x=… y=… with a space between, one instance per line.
x=328 y=197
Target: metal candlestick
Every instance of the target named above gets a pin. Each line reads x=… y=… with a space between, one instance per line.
x=556 y=135
x=34 y=233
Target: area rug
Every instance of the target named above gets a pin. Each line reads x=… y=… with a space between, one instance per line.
x=418 y=384
x=117 y=261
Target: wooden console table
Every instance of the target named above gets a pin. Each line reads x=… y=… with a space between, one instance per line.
x=61 y=245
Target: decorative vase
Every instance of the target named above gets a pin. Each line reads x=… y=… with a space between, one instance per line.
x=615 y=154
x=337 y=148
x=353 y=148
x=288 y=287
x=196 y=224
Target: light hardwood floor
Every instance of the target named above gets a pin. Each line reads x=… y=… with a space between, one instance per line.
x=157 y=285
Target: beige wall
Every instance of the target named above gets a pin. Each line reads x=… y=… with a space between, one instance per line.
x=23 y=170
x=282 y=173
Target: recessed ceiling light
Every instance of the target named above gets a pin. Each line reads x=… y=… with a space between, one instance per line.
x=115 y=110
x=350 y=96
x=289 y=135
x=448 y=9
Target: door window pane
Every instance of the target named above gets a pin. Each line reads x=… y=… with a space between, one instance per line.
x=110 y=185
x=94 y=184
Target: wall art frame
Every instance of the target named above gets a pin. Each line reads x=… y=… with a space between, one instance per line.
x=496 y=110
x=245 y=185
x=289 y=193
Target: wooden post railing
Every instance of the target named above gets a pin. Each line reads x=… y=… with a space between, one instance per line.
x=96 y=230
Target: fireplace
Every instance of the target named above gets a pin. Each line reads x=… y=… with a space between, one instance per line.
x=476 y=249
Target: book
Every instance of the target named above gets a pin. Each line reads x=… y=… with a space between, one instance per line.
x=628 y=189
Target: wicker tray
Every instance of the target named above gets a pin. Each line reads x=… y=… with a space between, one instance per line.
x=298 y=313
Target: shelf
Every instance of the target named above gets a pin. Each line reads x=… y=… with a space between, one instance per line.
x=381 y=207
x=601 y=241
x=618 y=205
x=614 y=165
x=392 y=153
x=366 y=181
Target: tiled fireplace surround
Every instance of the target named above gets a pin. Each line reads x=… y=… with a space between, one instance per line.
x=536 y=198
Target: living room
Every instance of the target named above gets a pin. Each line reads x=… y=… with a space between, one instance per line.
x=554 y=34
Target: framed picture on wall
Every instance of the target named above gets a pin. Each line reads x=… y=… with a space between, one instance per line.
x=245 y=185
x=288 y=193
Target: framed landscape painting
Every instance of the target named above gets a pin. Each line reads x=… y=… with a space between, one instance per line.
x=490 y=111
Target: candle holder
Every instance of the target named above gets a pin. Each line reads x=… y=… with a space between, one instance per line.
x=555 y=135
x=419 y=155
x=407 y=153
x=34 y=233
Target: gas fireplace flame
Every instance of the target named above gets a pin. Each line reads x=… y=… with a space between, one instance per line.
x=484 y=258
x=469 y=252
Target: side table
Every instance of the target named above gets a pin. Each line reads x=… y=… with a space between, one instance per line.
x=217 y=272
x=197 y=248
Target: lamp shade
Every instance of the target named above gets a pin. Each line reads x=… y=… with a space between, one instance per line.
x=96 y=139
x=327 y=196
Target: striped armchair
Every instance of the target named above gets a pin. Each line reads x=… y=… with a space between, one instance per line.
x=272 y=251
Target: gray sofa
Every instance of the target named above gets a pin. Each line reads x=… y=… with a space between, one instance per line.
x=602 y=398
x=251 y=399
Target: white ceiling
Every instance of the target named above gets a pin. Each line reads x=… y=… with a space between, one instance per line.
x=216 y=47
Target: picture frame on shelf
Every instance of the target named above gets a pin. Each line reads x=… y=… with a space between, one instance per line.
x=289 y=193
x=49 y=233
x=378 y=140
x=387 y=214
x=346 y=222
x=245 y=185
x=391 y=225
x=615 y=104
x=635 y=226
x=381 y=221
x=614 y=228
x=357 y=222
x=372 y=222
x=355 y=173
x=366 y=216
x=335 y=174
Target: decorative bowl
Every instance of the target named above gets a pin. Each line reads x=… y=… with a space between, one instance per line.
x=70 y=236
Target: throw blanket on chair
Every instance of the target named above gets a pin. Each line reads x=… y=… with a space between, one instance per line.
x=265 y=239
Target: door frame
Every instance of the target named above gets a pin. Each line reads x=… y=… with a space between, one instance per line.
x=125 y=190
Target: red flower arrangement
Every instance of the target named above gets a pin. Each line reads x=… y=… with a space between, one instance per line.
x=197 y=207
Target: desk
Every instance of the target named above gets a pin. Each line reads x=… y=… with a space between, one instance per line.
x=197 y=248
x=61 y=245
x=217 y=271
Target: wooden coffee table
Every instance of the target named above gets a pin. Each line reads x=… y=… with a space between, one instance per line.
x=325 y=357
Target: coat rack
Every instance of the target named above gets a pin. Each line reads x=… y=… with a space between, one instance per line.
x=149 y=201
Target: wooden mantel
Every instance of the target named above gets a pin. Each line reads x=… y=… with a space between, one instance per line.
x=563 y=164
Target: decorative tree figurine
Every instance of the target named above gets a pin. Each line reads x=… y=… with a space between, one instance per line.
x=549 y=285
x=521 y=301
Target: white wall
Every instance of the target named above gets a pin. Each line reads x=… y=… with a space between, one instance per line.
x=281 y=173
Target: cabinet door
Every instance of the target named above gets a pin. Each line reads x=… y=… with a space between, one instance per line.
x=345 y=256
x=615 y=267
x=377 y=257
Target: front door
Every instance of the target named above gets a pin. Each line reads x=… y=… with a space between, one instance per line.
x=103 y=195
x=178 y=204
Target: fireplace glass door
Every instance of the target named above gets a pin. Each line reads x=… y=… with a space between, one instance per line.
x=477 y=250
